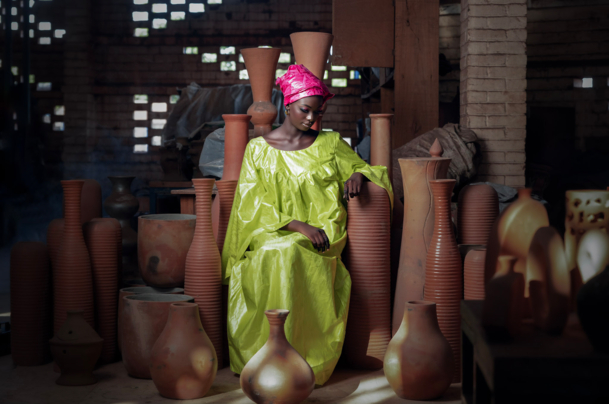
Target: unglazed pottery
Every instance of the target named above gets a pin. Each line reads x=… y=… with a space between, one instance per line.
x=419 y=362
x=478 y=209
x=380 y=141
x=473 y=274
x=277 y=373
x=183 y=362
x=593 y=310
x=236 y=136
x=367 y=256
x=593 y=253
x=91 y=201
x=226 y=191
x=163 y=242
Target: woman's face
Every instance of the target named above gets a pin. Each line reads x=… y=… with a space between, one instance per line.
x=304 y=112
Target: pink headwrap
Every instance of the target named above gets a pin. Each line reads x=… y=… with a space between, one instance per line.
x=299 y=82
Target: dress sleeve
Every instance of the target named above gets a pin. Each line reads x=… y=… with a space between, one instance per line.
x=254 y=211
x=349 y=162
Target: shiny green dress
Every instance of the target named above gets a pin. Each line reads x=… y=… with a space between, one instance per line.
x=268 y=268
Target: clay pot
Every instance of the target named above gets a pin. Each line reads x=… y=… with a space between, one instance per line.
x=503 y=308
x=226 y=191
x=473 y=274
x=419 y=363
x=417 y=229
x=31 y=304
x=261 y=64
x=548 y=280
x=143 y=319
x=478 y=209
x=236 y=136
x=277 y=373
x=72 y=276
x=367 y=257
x=76 y=348
x=163 y=242
x=183 y=362
x=593 y=310
x=592 y=253
x=380 y=141
x=203 y=278
x=443 y=270
x=91 y=201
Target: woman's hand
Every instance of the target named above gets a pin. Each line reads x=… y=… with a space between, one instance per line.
x=317 y=236
x=353 y=185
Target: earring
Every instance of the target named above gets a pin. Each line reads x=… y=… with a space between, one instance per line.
x=287 y=111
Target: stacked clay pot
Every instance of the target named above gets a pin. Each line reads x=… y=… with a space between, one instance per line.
x=368 y=261
x=31 y=307
x=443 y=270
x=473 y=274
x=100 y=236
x=203 y=278
x=478 y=208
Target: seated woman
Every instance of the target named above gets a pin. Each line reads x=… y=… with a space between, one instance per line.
x=288 y=228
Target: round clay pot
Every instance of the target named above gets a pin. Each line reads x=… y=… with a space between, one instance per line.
x=473 y=274
x=163 y=242
x=31 y=304
x=419 y=362
x=76 y=348
x=478 y=209
x=277 y=373
x=236 y=136
x=183 y=362
x=380 y=141
x=367 y=257
x=593 y=310
x=143 y=319
x=91 y=201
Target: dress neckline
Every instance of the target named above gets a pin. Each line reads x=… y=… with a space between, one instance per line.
x=308 y=147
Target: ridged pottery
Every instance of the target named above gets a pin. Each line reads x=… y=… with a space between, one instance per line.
x=593 y=310
x=236 y=136
x=54 y=236
x=76 y=348
x=143 y=319
x=548 y=280
x=261 y=64
x=31 y=304
x=473 y=274
x=419 y=363
x=183 y=363
x=204 y=270
x=91 y=201
x=380 y=141
x=593 y=253
x=72 y=276
x=367 y=258
x=100 y=237
x=163 y=242
x=277 y=373
x=443 y=270
x=417 y=229
x=478 y=209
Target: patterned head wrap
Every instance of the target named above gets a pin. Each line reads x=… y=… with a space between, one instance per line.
x=299 y=83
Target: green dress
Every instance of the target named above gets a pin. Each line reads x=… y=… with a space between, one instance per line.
x=268 y=268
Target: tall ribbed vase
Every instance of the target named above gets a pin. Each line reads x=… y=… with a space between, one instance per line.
x=72 y=276
x=478 y=210
x=368 y=261
x=443 y=270
x=380 y=141
x=236 y=136
x=203 y=279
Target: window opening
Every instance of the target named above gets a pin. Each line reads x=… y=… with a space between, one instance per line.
x=140 y=115
x=214 y=1
x=140 y=32
x=44 y=86
x=138 y=2
x=228 y=66
x=140 y=15
x=140 y=132
x=159 y=107
x=32 y=79
x=173 y=99
x=586 y=82
x=227 y=50
x=280 y=72
x=44 y=26
x=59 y=33
x=140 y=148
x=178 y=15
x=178 y=1
x=325 y=75
x=140 y=99
x=339 y=82
x=159 y=23
x=60 y=110
x=196 y=8
x=243 y=75
x=191 y=50
x=46 y=118
x=158 y=123
x=159 y=8
x=285 y=57
x=44 y=40
x=354 y=75
x=209 y=58
x=338 y=68
x=241 y=60
x=58 y=126
x=156 y=141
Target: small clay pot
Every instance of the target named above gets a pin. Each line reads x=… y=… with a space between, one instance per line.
x=478 y=208
x=473 y=274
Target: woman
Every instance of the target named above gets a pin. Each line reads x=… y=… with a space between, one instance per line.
x=287 y=231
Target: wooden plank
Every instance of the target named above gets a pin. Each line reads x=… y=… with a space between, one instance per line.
x=416 y=68
x=363 y=33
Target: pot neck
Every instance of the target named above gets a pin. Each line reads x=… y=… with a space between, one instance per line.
x=203 y=188
x=524 y=193
x=506 y=264
x=184 y=313
x=121 y=184
x=420 y=315
x=277 y=320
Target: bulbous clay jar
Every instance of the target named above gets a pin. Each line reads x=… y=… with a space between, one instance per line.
x=183 y=362
x=593 y=310
x=419 y=363
x=478 y=209
x=277 y=373
x=163 y=242
x=593 y=253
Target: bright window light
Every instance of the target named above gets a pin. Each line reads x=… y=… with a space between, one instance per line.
x=159 y=23
x=214 y=1
x=348 y=140
x=243 y=75
x=354 y=75
x=241 y=60
x=140 y=2
x=45 y=40
x=265 y=46
x=59 y=126
x=140 y=99
x=32 y=18
x=159 y=8
x=191 y=50
x=156 y=141
x=59 y=33
x=32 y=79
x=227 y=50
x=280 y=72
x=178 y=15
x=31 y=33
x=46 y=118
x=158 y=123
x=285 y=57
x=59 y=110
x=140 y=132
x=587 y=82
x=14 y=11
x=140 y=15
x=15 y=26
x=140 y=115
x=140 y=148
x=41 y=86
x=178 y=1
x=339 y=82
x=196 y=8
x=228 y=66
x=173 y=99
x=44 y=26
x=15 y=70
x=209 y=58
x=338 y=68
x=140 y=32
x=325 y=75
x=159 y=107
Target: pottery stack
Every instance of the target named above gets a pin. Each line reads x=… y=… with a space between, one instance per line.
x=478 y=208
x=473 y=274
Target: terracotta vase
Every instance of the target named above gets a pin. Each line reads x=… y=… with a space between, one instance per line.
x=76 y=347
x=91 y=201
x=503 y=308
x=277 y=373
x=312 y=49
x=163 y=242
x=122 y=205
x=367 y=257
x=31 y=304
x=419 y=362
x=72 y=276
x=593 y=310
x=380 y=141
x=54 y=236
x=261 y=64
x=143 y=319
x=183 y=362
x=473 y=274
x=592 y=253
x=548 y=280
x=443 y=270
x=100 y=237
x=203 y=278
x=478 y=209
x=417 y=229
x=236 y=136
